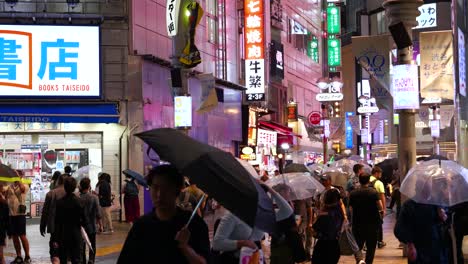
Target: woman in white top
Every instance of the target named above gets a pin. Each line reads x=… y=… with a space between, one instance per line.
x=233 y=234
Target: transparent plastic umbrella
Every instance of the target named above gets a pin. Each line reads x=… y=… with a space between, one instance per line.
x=437 y=182
x=301 y=185
x=248 y=167
x=316 y=168
x=90 y=171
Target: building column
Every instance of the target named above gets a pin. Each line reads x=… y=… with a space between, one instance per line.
x=405 y=11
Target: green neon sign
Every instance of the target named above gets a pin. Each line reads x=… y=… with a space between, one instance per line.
x=313 y=49
x=333 y=20
x=334 y=52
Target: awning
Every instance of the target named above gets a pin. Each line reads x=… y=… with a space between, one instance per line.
x=281 y=129
x=60 y=113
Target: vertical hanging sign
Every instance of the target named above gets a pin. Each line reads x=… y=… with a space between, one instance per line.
x=313 y=49
x=254 y=45
x=172 y=17
x=334 y=52
x=333 y=20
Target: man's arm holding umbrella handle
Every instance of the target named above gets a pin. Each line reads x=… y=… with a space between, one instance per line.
x=192 y=257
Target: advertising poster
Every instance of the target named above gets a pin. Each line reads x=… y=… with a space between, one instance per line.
x=436 y=65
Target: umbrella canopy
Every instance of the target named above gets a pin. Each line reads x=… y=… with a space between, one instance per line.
x=296 y=167
x=441 y=183
x=137 y=176
x=302 y=185
x=9 y=175
x=90 y=171
x=388 y=166
x=316 y=168
x=247 y=166
x=217 y=173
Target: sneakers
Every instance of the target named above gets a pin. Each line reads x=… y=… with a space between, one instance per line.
x=381 y=244
x=362 y=262
x=18 y=260
x=27 y=260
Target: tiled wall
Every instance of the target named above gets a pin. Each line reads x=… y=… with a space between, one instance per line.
x=149 y=36
x=301 y=73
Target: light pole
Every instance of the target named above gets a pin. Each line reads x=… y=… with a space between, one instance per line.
x=434 y=121
x=330 y=92
x=367 y=108
x=405 y=11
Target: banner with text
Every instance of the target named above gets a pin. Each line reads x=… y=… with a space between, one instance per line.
x=436 y=70
x=373 y=54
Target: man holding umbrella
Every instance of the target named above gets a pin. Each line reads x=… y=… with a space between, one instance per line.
x=166 y=235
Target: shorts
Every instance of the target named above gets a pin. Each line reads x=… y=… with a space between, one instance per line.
x=17 y=225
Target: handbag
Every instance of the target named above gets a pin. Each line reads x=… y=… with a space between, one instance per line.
x=21 y=207
x=115 y=204
x=251 y=256
x=347 y=242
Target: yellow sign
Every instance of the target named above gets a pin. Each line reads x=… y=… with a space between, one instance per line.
x=436 y=71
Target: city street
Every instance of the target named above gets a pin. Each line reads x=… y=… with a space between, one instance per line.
x=109 y=246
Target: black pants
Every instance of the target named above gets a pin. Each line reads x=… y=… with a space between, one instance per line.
x=367 y=236
x=396 y=199
x=92 y=254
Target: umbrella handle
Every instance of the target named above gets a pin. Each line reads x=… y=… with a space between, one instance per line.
x=195 y=209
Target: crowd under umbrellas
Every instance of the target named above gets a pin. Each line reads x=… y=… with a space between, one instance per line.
x=252 y=206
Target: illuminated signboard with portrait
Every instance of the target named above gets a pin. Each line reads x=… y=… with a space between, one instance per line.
x=254 y=50
x=49 y=61
x=183 y=111
x=405 y=87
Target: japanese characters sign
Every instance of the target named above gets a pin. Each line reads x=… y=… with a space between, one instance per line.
x=428 y=16
x=49 y=61
x=182 y=111
x=333 y=20
x=292 y=112
x=254 y=50
x=372 y=53
x=334 y=52
x=436 y=65
x=276 y=13
x=172 y=17
x=461 y=62
x=297 y=28
x=267 y=140
x=313 y=49
x=405 y=87
x=349 y=131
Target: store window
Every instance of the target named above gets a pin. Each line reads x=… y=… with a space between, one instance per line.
x=379 y=23
x=38 y=156
x=217 y=35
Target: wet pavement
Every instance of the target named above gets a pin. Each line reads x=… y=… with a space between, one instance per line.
x=109 y=245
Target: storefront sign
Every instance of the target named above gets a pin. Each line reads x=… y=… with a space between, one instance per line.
x=313 y=49
x=297 y=29
x=367 y=109
x=277 y=60
x=266 y=141
x=405 y=88
x=349 y=131
x=49 y=61
x=435 y=128
x=428 y=16
x=314 y=118
x=329 y=97
x=333 y=20
x=292 y=112
x=461 y=62
x=172 y=17
x=436 y=65
x=34 y=146
x=334 y=52
x=254 y=50
x=183 y=111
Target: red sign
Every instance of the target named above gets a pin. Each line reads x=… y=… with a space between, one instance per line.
x=314 y=118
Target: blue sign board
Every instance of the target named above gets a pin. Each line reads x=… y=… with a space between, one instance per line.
x=349 y=131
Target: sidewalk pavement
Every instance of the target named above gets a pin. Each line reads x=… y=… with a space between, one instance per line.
x=108 y=245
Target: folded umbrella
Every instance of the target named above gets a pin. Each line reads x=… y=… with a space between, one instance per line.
x=217 y=173
x=137 y=176
x=301 y=185
x=437 y=182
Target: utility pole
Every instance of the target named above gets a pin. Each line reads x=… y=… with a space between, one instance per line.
x=405 y=11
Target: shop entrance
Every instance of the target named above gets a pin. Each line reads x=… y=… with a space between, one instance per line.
x=39 y=155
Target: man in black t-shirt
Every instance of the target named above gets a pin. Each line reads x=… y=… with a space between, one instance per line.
x=365 y=206
x=163 y=236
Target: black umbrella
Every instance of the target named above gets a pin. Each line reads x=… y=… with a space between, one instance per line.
x=137 y=176
x=217 y=173
x=296 y=167
x=388 y=166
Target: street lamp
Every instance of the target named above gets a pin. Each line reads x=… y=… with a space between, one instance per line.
x=330 y=92
x=366 y=109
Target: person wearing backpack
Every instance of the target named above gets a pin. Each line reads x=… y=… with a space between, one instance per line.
x=378 y=185
x=131 y=200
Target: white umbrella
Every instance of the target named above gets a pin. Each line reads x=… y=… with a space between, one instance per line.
x=302 y=185
x=437 y=182
x=248 y=167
